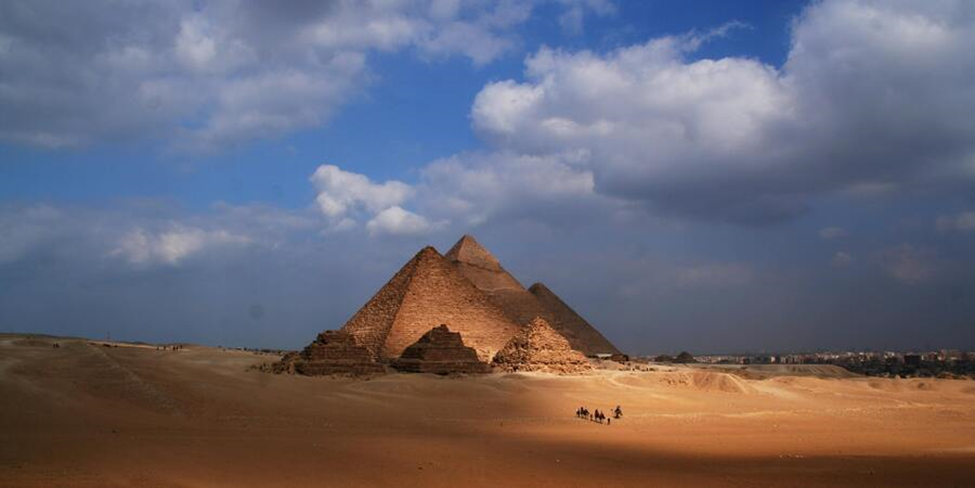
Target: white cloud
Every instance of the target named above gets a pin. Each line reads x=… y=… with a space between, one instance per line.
x=142 y=247
x=473 y=187
x=397 y=221
x=873 y=95
x=217 y=74
x=964 y=222
x=827 y=233
x=341 y=193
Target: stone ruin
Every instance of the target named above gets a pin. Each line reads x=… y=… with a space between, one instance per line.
x=440 y=351
x=485 y=306
x=539 y=347
x=332 y=352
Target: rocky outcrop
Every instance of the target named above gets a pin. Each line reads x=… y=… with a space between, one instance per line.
x=538 y=347
x=333 y=352
x=440 y=351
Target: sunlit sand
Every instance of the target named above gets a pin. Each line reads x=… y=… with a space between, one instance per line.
x=88 y=415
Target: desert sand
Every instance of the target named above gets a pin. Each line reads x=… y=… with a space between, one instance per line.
x=88 y=415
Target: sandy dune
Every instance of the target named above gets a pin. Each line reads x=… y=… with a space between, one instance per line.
x=87 y=415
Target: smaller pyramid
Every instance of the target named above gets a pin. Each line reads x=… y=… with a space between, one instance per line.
x=538 y=347
x=332 y=352
x=440 y=351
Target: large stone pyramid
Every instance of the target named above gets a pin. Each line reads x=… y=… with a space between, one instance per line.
x=538 y=347
x=482 y=269
x=583 y=336
x=467 y=289
x=428 y=291
x=485 y=272
x=440 y=351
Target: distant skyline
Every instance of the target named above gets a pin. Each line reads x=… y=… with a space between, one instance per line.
x=707 y=176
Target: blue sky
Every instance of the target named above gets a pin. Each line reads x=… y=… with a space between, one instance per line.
x=807 y=170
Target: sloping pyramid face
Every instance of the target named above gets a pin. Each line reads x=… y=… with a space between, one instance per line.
x=538 y=347
x=440 y=351
x=482 y=269
x=425 y=292
x=520 y=305
x=583 y=336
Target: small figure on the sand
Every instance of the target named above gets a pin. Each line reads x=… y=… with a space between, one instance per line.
x=608 y=421
x=618 y=412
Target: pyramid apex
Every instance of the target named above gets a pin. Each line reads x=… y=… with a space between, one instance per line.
x=468 y=251
x=428 y=251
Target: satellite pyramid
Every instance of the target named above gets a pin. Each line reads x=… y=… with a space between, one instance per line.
x=332 y=352
x=538 y=347
x=482 y=269
x=440 y=351
x=428 y=291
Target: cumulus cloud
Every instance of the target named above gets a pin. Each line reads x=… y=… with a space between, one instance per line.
x=204 y=76
x=344 y=196
x=964 y=222
x=476 y=187
x=397 y=221
x=171 y=246
x=342 y=192
x=873 y=95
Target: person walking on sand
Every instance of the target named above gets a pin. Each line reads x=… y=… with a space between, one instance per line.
x=618 y=412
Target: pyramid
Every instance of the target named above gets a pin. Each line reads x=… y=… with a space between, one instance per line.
x=332 y=352
x=428 y=291
x=538 y=347
x=583 y=336
x=482 y=269
x=440 y=351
